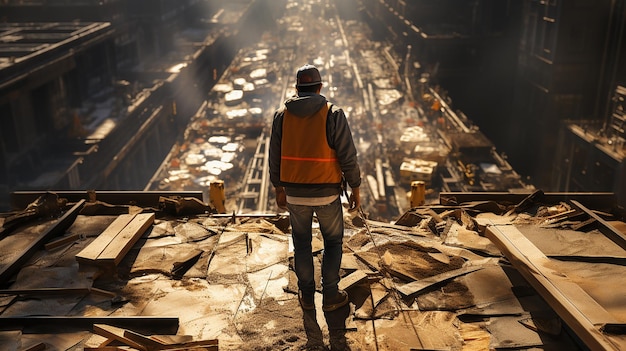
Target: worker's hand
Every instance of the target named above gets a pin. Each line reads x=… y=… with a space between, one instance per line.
x=281 y=198
x=355 y=200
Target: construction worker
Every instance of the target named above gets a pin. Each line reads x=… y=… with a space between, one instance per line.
x=311 y=152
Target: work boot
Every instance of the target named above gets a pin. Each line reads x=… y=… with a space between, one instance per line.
x=336 y=321
x=338 y=340
x=307 y=301
x=331 y=303
x=314 y=336
x=340 y=345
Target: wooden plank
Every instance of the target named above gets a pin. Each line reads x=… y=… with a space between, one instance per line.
x=63 y=241
x=171 y=339
x=37 y=347
x=90 y=253
x=371 y=259
x=146 y=341
x=209 y=345
x=351 y=279
x=200 y=347
x=378 y=292
x=127 y=237
x=349 y=262
x=605 y=227
x=102 y=292
x=96 y=341
x=153 y=343
x=59 y=227
x=419 y=285
x=183 y=342
x=111 y=332
x=577 y=309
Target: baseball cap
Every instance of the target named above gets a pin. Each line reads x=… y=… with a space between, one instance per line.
x=308 y=75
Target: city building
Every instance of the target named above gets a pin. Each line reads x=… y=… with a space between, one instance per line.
x=89 y=104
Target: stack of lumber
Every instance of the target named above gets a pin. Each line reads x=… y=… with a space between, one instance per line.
x=110 y=247
x=124 y=339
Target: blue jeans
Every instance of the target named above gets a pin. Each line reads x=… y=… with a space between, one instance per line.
x=330 y=218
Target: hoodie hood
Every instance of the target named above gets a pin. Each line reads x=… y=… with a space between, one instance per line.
x=305 y=104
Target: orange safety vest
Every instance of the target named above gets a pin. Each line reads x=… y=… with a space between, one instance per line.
x=306 y=157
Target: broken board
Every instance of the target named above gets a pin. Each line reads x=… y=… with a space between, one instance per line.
x=110 y=247
x=421 y=284
x=149 y=343
x=579 y=310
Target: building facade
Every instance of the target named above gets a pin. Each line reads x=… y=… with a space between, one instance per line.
x=563 y=63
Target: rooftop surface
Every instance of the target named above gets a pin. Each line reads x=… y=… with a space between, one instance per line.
x=536 y=273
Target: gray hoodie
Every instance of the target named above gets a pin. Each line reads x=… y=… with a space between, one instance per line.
x=338 y=136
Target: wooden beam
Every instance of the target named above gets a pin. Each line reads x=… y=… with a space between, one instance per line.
x=59 y=227
x=67 y=324
x=45 y=291
x=21 y=199
x=595 y=200
x=56 y=291
x=578 y=310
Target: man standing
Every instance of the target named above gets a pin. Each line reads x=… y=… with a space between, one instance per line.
x=311 y=152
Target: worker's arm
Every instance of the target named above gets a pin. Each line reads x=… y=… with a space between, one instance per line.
x=276 y=136
x=274 y=160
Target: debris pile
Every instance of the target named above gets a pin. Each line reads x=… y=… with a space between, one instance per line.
x=431 y=280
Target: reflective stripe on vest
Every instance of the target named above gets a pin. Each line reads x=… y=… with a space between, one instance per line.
x=306 y=157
